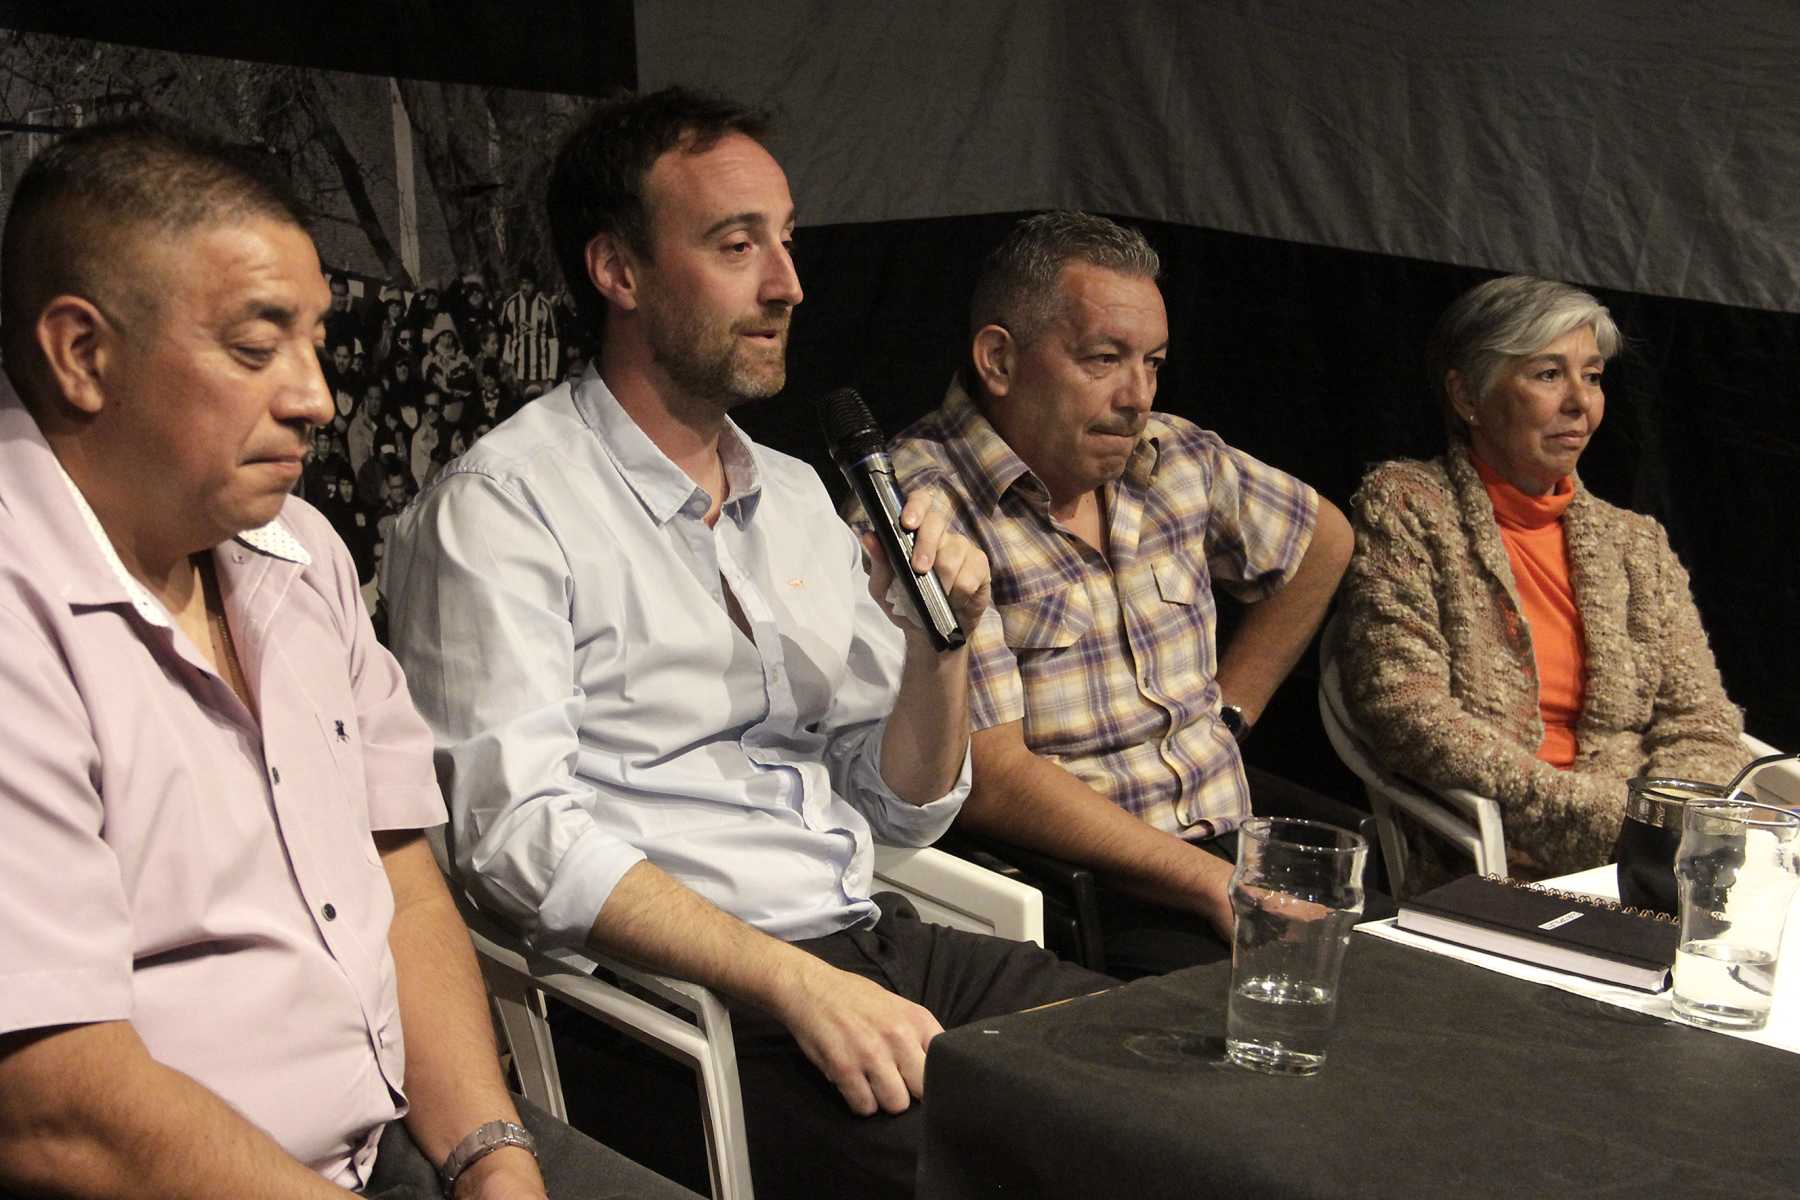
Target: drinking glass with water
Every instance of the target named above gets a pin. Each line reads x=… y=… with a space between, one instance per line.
x=1737 y=871
x=1297 y=891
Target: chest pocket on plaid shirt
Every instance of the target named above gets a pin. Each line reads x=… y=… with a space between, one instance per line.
x=1176 y=583
x=1053 y=621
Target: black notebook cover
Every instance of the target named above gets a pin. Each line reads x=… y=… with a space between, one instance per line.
x=1562 y=930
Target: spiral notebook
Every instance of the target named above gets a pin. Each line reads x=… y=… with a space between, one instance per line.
x=1565 y=931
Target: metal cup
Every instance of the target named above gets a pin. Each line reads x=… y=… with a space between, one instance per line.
x=1649 y=835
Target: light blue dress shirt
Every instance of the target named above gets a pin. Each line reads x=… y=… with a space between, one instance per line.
x=558 y=603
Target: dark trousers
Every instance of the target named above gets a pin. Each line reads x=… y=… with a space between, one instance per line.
x=1142 y=938
x=804 y=1141
x=574 y=1166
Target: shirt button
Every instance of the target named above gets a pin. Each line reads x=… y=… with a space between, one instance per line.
x=275 y=774
x=329 y=912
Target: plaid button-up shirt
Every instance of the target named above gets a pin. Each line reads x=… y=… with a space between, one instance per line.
x=1110 y=664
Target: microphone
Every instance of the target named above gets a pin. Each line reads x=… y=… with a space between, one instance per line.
x=857 y=447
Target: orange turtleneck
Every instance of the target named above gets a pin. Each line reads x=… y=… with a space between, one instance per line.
x=1532 y=529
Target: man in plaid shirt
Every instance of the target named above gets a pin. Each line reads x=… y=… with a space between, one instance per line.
x=1107 y=727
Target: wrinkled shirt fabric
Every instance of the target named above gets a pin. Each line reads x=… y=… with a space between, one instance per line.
x=561 y=608
x=1110 y=660
x=174 y=860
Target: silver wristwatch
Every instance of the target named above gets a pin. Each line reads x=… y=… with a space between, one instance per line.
x=1232 y=717
x=478 y=1145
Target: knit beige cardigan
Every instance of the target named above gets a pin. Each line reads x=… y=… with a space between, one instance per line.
x=1439 y=673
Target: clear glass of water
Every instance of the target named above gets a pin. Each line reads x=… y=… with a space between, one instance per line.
x=1737 y=871
x=1297 y=891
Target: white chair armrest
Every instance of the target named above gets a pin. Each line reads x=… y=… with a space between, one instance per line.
x=517 y=977
x=1755 y=746
x=1473 y=804
x=1479 y=833
x=1777 y=783
x=594 y=997
x=1485 y=812
x=1429 y=812
x=955 y=892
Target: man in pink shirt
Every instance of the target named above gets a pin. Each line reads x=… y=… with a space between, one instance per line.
x=228 y=965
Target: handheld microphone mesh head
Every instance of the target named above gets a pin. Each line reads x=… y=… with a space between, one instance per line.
x=850 y=428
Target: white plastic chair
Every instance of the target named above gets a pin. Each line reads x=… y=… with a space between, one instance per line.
x=1777 y=783
x=1467 y=820
x=945 y=889
x=953 y=891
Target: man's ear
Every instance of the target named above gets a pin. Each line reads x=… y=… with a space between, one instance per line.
x=612 y=270
x=995 y=356
x=78 y=343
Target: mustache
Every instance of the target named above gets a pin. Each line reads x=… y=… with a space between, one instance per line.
x=1127 y=429
x=774 y=321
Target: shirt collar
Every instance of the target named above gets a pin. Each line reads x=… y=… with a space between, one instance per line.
x=1140 y=468
x=273 y=539
x=278 y=541
x=663 y=488
x=986 y=462
x=148 y=606
x=990 y=465
x=742 y=479
x=27 y=468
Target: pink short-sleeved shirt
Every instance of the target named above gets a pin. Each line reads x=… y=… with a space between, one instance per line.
x=169 y=859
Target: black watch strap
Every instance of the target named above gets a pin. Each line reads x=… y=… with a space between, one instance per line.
x=1233 y=719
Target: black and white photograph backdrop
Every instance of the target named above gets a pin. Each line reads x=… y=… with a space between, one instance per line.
x=424 y=198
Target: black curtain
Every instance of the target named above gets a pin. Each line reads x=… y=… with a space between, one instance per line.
x=1304 y=356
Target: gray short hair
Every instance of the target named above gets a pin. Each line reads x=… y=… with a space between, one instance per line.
x=1017 y=286
x=86 y=195
x=1498 y=322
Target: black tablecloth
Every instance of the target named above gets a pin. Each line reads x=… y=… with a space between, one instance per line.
x=1442 y=1080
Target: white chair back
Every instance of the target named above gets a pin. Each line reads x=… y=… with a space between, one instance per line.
x=1468 y=821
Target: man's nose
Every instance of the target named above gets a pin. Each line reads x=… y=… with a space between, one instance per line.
x=1139 y=391
x=781 y=285
x=306 y=398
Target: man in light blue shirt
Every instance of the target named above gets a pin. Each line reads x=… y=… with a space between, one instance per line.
x=670 y=714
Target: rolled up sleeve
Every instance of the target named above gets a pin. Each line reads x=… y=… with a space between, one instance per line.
x=857 y=726
x=480 y=590
x=897 y=823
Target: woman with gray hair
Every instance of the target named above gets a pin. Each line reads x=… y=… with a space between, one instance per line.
x=1508 y=632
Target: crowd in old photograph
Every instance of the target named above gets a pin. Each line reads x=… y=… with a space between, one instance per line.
x=416 y=378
